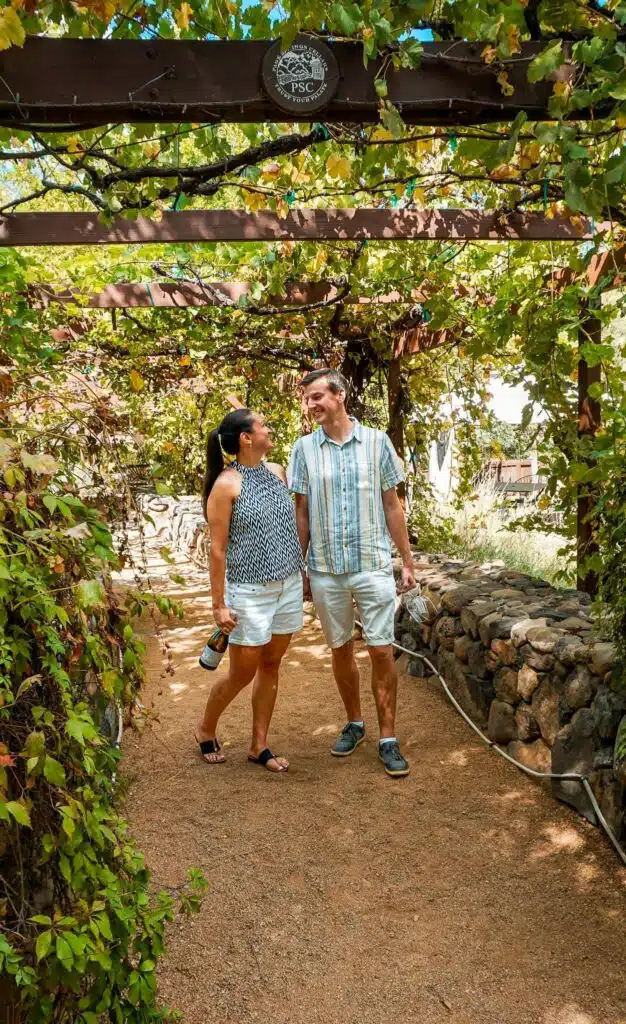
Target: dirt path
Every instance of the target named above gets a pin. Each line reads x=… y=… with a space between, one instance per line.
x=462 y=894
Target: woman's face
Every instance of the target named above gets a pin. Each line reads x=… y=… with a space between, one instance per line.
x=258 y=439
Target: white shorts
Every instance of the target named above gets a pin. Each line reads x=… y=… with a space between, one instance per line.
x=374 y=593
x=264 y=609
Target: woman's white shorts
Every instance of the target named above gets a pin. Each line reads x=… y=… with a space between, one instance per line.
x=264 y=609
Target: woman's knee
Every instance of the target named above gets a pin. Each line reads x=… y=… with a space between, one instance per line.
x=270 y=661
x=244 y=662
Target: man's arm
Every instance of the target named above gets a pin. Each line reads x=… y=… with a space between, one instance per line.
x=302 y=521
x=302 y=525
x=396 y=524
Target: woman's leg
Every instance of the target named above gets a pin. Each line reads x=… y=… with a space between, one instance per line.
x=264 y=696
x=243 y=664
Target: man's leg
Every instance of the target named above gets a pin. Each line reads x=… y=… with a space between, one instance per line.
x=375 y=595
x=346 y=675
x=333 y=603
x=384 y=688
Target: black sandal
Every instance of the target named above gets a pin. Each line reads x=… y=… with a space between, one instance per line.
x=209 y=747
x=265 y=756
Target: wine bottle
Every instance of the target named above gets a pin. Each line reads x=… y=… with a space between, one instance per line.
x=214 y=650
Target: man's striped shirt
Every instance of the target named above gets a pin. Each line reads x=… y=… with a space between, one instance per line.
x=344 y=484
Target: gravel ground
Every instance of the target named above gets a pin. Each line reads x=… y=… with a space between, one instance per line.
x=461 y=894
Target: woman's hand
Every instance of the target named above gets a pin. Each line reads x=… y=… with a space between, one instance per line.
x=225 y=618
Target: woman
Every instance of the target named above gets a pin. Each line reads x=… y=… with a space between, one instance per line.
x=256 y=576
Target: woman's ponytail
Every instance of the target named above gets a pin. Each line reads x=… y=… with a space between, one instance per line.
x=224 y=438
x=214 y=465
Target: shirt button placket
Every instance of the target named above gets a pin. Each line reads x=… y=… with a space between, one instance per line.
x=345 y=516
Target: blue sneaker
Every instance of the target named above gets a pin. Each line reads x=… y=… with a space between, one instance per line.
x=348 y=740
x=395 y=764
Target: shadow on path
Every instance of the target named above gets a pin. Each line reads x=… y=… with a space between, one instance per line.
x=461 y=894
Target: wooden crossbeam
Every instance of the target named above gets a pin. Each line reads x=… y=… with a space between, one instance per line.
x=26 y=229
x=177 y=295
x=101 y=81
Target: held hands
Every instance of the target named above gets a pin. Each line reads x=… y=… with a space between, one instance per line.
x=407 y=580
x=225 y=619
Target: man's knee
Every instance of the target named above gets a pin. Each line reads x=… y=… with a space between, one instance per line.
x=382 y=656
x=343 y=655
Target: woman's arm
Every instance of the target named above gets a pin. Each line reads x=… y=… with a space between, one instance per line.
x=219 y=512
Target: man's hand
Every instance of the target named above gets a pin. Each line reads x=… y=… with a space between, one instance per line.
x=306 y=586
x=407 y=580
x=225 y=619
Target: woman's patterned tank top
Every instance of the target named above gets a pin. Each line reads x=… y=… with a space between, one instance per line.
x=263 y=540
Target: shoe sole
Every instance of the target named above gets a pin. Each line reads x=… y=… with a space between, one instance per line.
x=341 y=753
x=395 y=775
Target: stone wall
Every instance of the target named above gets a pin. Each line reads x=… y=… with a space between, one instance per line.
x=522 y=661
x=180 y=524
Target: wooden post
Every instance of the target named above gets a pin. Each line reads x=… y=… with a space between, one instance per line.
x=588 y=423
x=396 y=416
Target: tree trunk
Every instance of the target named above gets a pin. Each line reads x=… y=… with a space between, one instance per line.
x=396 y=414
x=588 y=423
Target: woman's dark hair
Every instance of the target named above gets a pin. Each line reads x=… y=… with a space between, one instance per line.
x=225 y=437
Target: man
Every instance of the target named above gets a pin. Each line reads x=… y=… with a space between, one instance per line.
x=344 y=476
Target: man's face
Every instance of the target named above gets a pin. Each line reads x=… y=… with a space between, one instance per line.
x=322 y=403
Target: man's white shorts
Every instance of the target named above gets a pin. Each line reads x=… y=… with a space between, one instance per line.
x=373 y=592
x=264 y=609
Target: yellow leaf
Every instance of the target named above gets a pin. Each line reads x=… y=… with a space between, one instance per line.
x=338 y=167
x=282 y=208
x=103 y=9
x=560 y=89
x=503 y=171
x=271 y=170
x=231 y=7
x=489 y=54
x=137 y=382
x=183 y=16
x=513 y=38
x=381 y=134
x=419 y=195
x=505 y=85
x=529 y=155
x=74 y=145
x=151 y=150
x=621 y=121
x=16 y=4
x=254 y=201
x=320 y=259
x=11 y=29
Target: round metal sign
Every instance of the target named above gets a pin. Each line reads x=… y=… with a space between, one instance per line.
x=302 y=79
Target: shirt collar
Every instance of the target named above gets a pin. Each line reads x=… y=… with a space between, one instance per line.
x=357 y=434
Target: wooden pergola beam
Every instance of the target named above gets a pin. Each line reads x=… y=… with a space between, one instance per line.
x=70 y=82
x=27 y=229
x=183 y=294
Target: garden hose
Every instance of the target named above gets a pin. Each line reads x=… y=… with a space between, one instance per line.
x=565 y=777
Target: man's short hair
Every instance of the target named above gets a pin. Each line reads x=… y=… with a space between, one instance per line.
x=336 y=381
